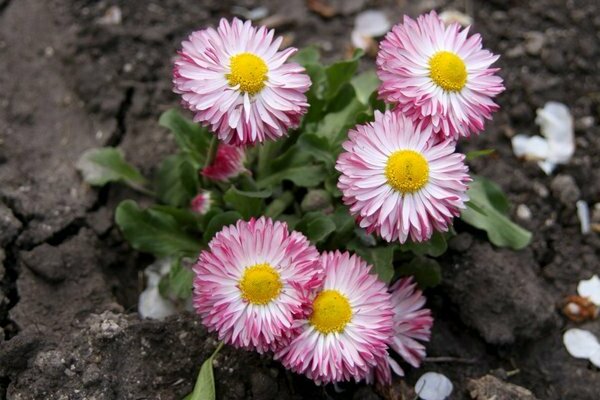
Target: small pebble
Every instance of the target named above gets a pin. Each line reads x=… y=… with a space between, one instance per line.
x=565 y=189
x=523 y=212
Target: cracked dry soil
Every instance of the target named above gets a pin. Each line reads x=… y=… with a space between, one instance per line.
x=69 y=284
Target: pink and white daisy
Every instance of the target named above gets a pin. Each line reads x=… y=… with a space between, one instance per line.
x=412 y=325
x=201 y=203
x=237 y=82
x=253 y=281
x=397 y=182
x=228 y=163
x=439 y=75
x=349 y=325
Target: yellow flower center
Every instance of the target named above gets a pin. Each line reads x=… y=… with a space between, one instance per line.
x=448 y=71
x=260 y=284
x=249 y=71
x=331 y=312
x=407 y=171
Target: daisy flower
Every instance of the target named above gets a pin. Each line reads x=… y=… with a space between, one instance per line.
x=228 y=163
x=201 y=203
x=397 y=182
x=253 y=281
x=439 y=75
x=349 y=324
x=237 y=82
x=412 y=325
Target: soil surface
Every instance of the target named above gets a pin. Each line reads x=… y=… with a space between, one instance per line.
x=69 y=283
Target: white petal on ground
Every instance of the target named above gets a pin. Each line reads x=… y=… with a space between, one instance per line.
x=595 y=358
x=556 y=125
x=433 y=386
x=531 y=148
x=368 y=25
x=581 y=343
x=152 y=305
x=558 y=142
x=591 y=289
x=452 y=16
x=583 y=213
x=372 y=23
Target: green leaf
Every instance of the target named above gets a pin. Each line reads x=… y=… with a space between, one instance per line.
x=318 y=147
x=364 y=85
x=434 y=247
x=177 y=283
x=154 y=231
x=192 y=138
x=344 y=222
x=248 y=204
x=307 y=55
x=100 y=166
x=316 y=226
x=381 y=258
x=305 y=176
x=217 y=223
x=204 y=389
x=426 y=271
x=471 y=155
x=487 y=210
x=177 y=181
x=279 y=204
x=184 y=217
x=340 y=73
x=334 y=126
x=290 y=220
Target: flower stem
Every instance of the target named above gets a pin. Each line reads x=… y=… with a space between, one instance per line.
x=210 y=158
x=212 y=151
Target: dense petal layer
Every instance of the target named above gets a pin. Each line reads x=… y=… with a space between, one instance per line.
x=220 y=271
x=376 y=201
x=241 y=103
x=411 y=77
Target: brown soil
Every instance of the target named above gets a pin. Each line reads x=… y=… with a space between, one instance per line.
x=69 y=284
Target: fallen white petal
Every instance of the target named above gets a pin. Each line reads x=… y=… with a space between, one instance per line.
x=580 y=343
x=372 y=23
x=452 y=16
x=595 y=358
x=583 y=213
x=152 y=305
x=532 y=148
x=556 y=125
x=591 y=289
x=433 y=386
x=360 y=41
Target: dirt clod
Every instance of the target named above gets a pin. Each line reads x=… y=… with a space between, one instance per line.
x=489 y=387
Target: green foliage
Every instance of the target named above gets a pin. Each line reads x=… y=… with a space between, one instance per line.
x=154 y=231
x=103 y=165
x=204 y=389
x=248 y=204
x=316 y=226
x=177 y=283
x=434 y=247
x=471 y=155
x=381 y=258
x=192 y=139
x=426 y=271
x=487 y=209
x=365 y=85
x=177 y=181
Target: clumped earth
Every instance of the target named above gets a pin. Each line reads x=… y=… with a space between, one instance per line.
x=69 y=283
